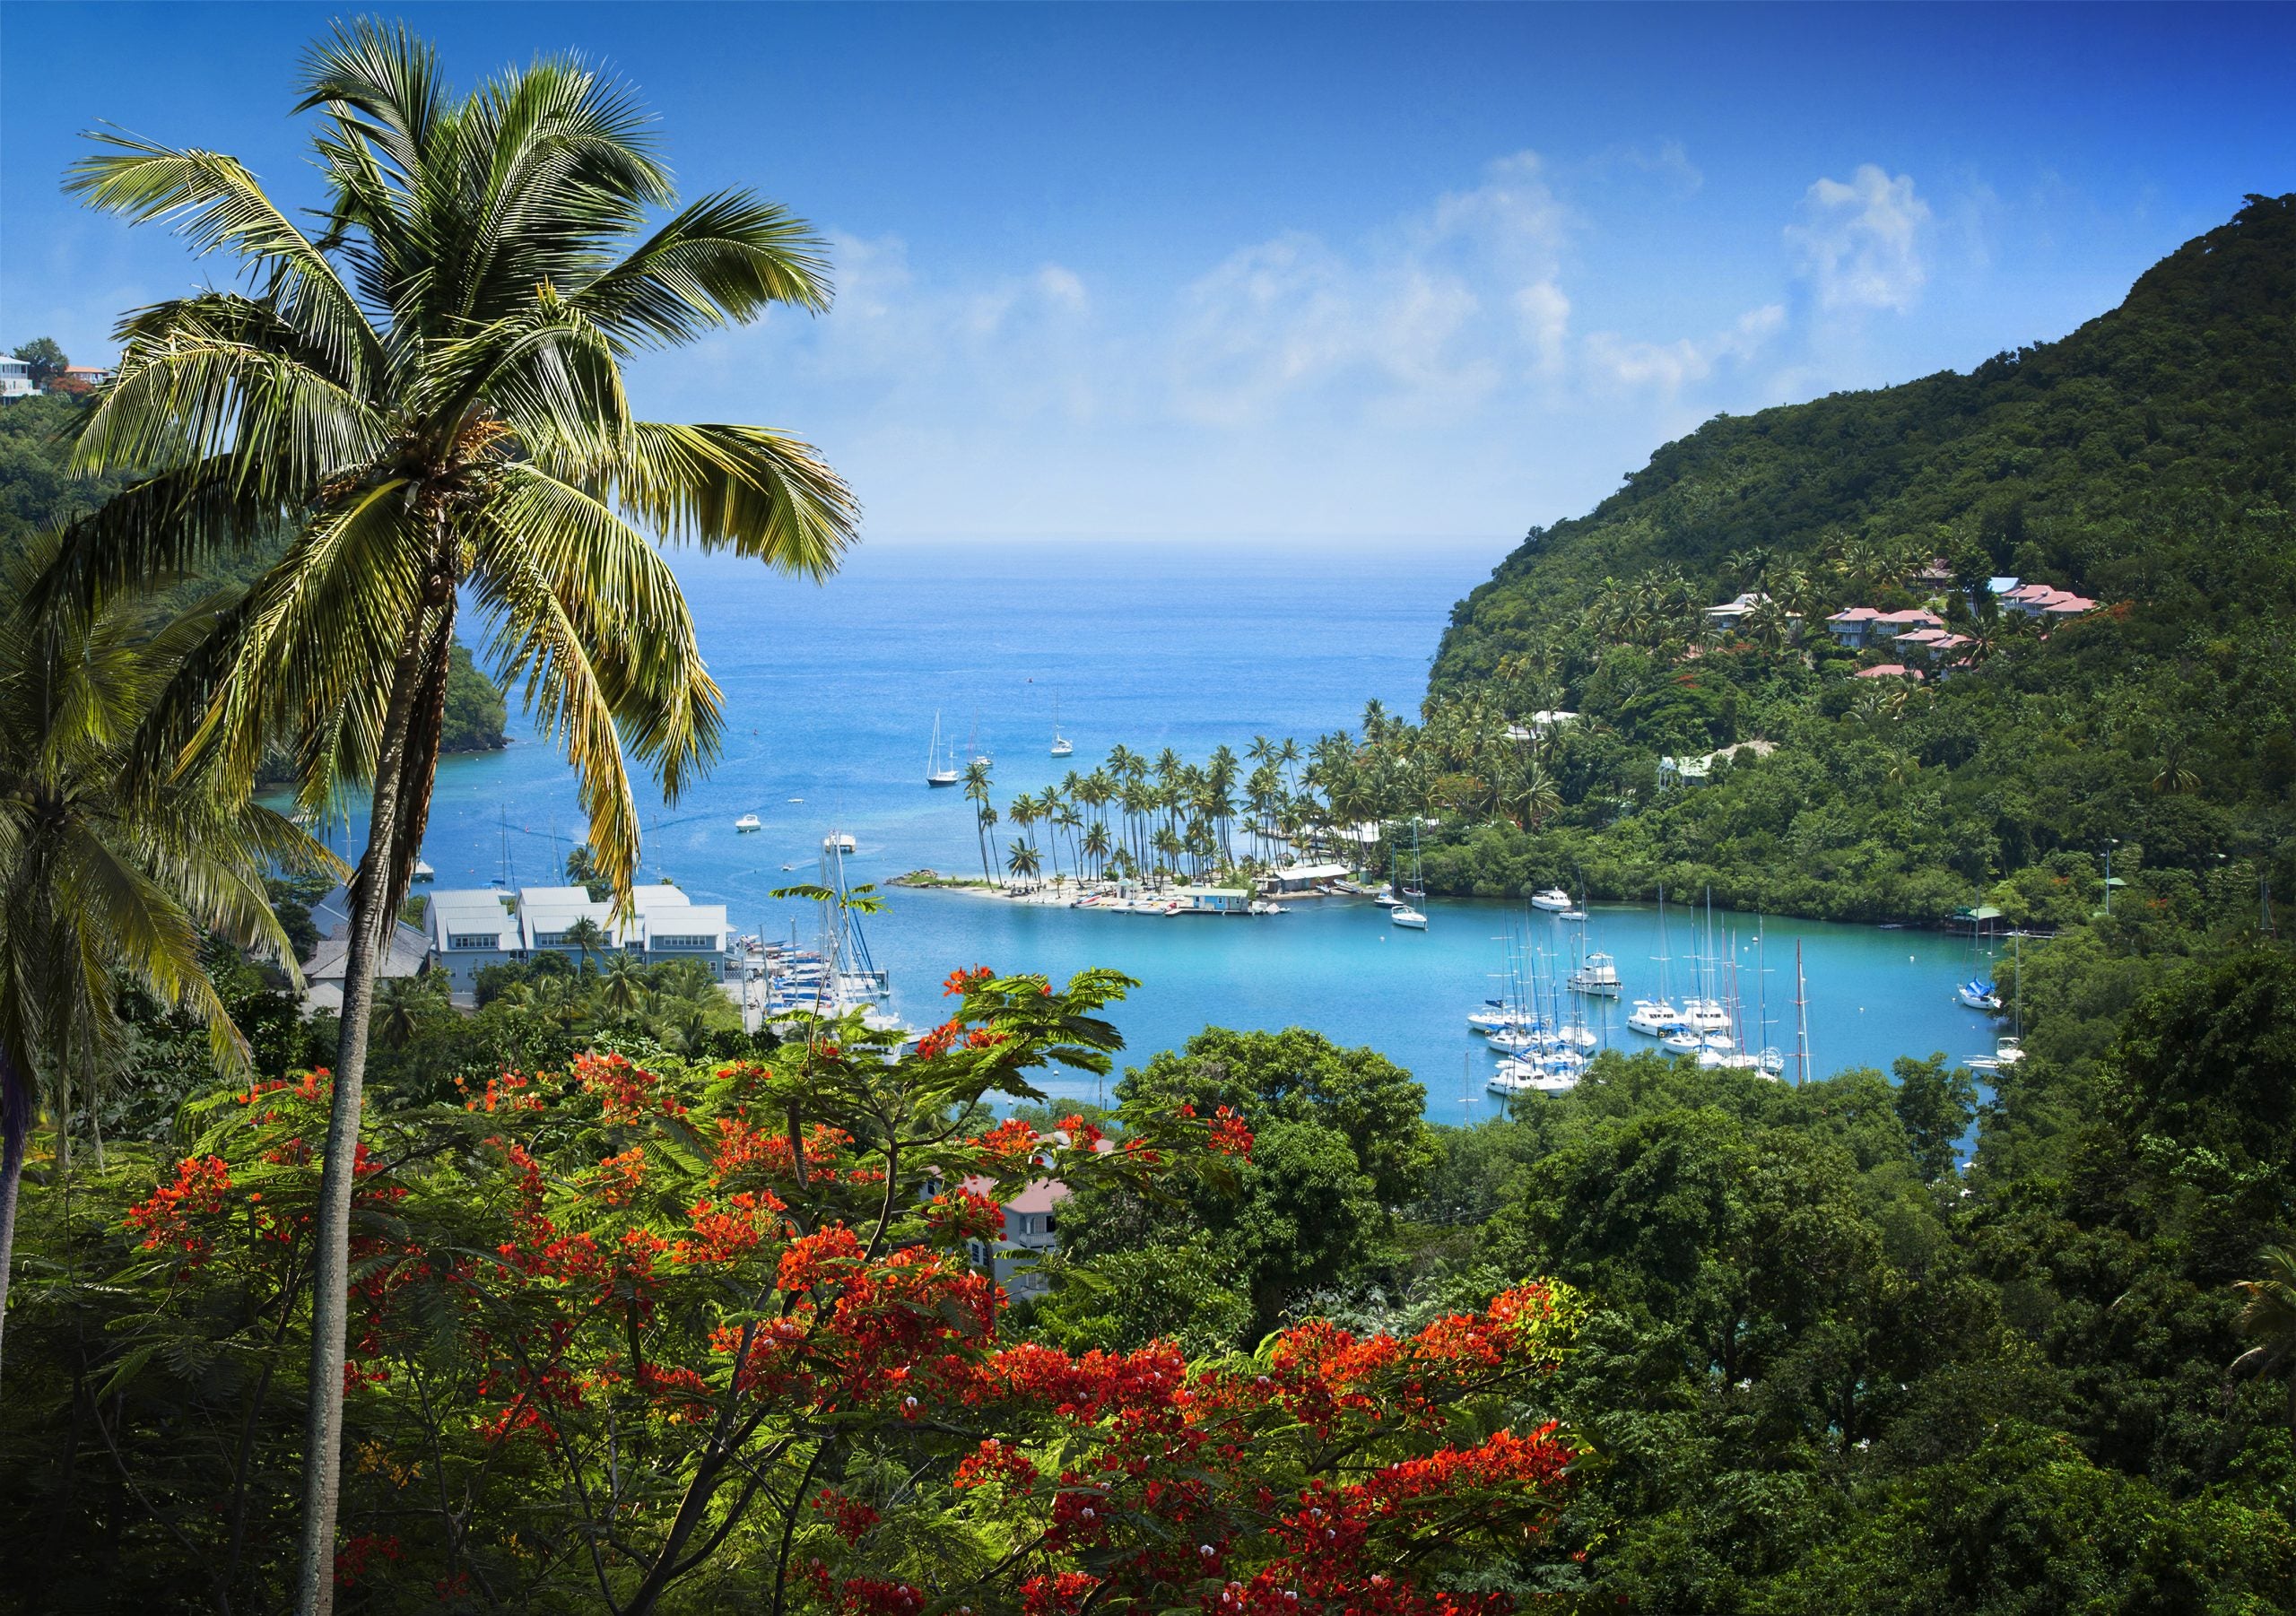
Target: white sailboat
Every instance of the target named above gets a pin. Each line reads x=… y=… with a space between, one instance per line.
x=940 y=770
x=1404 y=914
x=1061 y=745
x=1656 y=1018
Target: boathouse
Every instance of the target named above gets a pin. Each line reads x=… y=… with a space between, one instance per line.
x=1301 y=881
x=1216 y=901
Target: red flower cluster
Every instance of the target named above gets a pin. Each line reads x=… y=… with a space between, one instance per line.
x=165 y=1218
x=626 y=1093
x=849 y=1518
x=962 y=982
x=1229 y=1135
x=357 y=1554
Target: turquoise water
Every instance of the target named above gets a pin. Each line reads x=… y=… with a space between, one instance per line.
x=830 y=695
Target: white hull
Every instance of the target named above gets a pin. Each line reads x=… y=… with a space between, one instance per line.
x=1553 y=901
x=1408 y=918
x=1654 y=1018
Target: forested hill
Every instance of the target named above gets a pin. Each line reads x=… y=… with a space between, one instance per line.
x=2146 y=461
x=2105 y=461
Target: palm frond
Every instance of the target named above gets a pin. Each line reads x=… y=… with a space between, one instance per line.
x=722 y=260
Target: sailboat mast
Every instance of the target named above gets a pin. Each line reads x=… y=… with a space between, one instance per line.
x=1801 y=1019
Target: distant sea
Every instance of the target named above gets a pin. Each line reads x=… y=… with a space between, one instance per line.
x=832 y=693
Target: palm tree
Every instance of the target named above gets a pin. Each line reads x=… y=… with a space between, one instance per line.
x=621 y=988
x=2268 y=1318
x=588 y=938
x=1095 y=846
x=1022 y=861
x=403 y=1004
x=977 y=784
x=1538 y=794
x=109 y=875
x=427 y=398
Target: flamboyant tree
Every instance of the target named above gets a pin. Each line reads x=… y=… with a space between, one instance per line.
x=626 y=1328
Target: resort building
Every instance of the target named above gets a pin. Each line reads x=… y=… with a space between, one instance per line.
x=1730 y=614
x=16 y=378
x=1862 y=626
x=469 y=930
x=330 y=963
x=1538 y=721
x=1890 y=670
x=2040 y=600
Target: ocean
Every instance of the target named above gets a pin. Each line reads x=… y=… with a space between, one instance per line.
x=831 y=694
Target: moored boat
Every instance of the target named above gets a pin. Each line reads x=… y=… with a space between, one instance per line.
x=1599 y=976
x=1554 y=900
x=1405 y=916
x=748 y=822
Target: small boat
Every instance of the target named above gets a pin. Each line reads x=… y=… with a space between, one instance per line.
x=423 y=872
x=1388 y=900
x=748 y=822
x=1554 y=900
x=1493 y=1017
x=1572 y=914
x=2008 y=1052
x=1062 y=746
x=1682 y=1041
x=1516 y=1038
x=1978 y=995
x=1599 y=976
x=940 y=770
x=797 y=799
x=839 y=841
x=1405 y=916
x=1261 y=905
x=1654 y=1018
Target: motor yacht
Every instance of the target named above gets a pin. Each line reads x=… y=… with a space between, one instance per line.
x=1405 y=916
x=748 y=822
x=1554 y=900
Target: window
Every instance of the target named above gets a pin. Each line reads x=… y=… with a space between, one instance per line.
x=472 y=939
x=684 y=942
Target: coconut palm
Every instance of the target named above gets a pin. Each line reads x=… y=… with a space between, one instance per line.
x=2268 y=1318
x=426 y=399
x=1538 y=794
x=1095 y=846
x=588 y=938
x=403 y=1004
x=109 y=875
x=1021 y=859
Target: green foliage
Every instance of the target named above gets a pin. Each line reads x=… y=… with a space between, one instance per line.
x=477 y=711
x=2142 y=461
x=1340 y=1141
x=46 y=358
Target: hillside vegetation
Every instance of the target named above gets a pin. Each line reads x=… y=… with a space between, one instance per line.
x=2146 y=461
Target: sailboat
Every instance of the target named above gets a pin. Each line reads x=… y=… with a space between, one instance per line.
x=1062 y=746
x=1402 y=914
x=939 y=770
x=1656 y=1018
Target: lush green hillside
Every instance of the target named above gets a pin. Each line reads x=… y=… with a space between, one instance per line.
x=2148 y=461
x=38 y=491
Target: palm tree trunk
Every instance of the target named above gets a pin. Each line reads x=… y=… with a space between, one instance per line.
x=15 y=1125
x=372 y=914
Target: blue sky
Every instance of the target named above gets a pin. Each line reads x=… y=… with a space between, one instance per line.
x=1358 y=272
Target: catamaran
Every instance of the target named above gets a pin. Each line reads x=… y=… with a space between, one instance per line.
x=1061 y=745
x=940 y=770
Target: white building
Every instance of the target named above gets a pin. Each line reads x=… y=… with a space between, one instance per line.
x=16 y=377
x=469 y=930
x=330 y=963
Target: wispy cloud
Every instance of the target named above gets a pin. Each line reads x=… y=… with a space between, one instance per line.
x=1860 y=242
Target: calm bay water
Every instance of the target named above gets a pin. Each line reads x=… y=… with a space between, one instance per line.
x=831 y=696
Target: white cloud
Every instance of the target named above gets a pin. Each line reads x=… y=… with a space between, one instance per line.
x=1860 y=242
x=1416 y=321
x=1670 y=366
